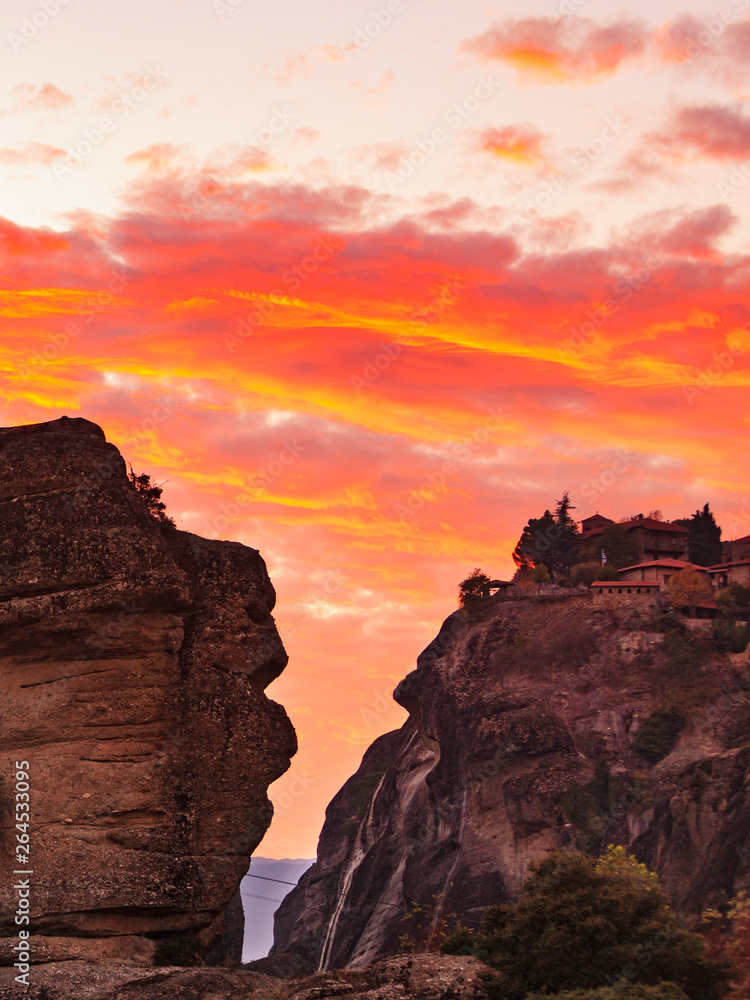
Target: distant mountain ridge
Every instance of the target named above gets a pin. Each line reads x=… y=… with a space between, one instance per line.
x=258 y=937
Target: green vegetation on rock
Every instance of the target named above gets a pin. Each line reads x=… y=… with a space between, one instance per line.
x=658 y=734
x=632 y=991
x=584 y=924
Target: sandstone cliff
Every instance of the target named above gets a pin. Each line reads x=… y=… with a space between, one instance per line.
x=520 y=740
x=133 y=662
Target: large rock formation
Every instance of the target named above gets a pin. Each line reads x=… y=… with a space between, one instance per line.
x=520 y=741
x=133 y=662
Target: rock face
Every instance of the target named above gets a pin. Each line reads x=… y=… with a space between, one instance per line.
x=133 y=662
x=417 y=977
x=520 y=741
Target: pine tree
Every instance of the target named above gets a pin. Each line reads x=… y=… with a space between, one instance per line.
x=704 y=540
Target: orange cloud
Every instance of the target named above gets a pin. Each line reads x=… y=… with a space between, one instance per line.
x=380 y=408
x=157 y=156
x=570 y=50
x=518 y=144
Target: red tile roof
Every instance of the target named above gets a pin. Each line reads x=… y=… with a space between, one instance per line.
x=652 y=525
x=720 y=566
x=669 y=563
x=649 y=523
x=625 y=583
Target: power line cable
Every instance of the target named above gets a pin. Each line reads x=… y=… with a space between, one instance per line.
x=267 y=879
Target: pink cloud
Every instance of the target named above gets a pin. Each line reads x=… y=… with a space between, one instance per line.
x=570 y=50
x=718 y=132
x=716 y=45
x=31 y=153
x=47 y=97
x=686 y=235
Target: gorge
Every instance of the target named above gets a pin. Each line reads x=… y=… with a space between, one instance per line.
x=522 y=738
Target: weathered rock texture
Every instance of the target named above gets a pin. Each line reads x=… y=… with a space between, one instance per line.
x=417 y=977
x=519 y=741
x=132 y=666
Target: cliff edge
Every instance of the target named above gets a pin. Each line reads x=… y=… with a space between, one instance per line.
x=522 y=738
x=133 y=662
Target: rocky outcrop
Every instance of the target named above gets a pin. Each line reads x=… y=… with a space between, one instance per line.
x=519 y=741
x=134 y=659
x=417 y=977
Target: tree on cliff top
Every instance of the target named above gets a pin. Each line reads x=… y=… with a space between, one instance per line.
x=584 y=923
x=688 y=588
x=550 y=540
x=150 y=493
x=473 y=586
x=704 y=540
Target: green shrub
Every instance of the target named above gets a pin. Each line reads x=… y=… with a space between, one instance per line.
x=633 y=991
x=608 y=572
x=583 y=924
x=658 y=734
x=731 y=637
x=588 y=807
x=686 y=653
x=733 y=596
x=178 y=949
x=585 y=572
x=472 y=587
x=667 y=622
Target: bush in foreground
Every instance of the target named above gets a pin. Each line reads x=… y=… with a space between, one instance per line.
x=633 y=991
x=584 y=924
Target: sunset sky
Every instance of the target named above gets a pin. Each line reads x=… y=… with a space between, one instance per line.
x=368 y=285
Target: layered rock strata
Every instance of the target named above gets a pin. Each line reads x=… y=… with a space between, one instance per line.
x=519 y=741
x=133 y=662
